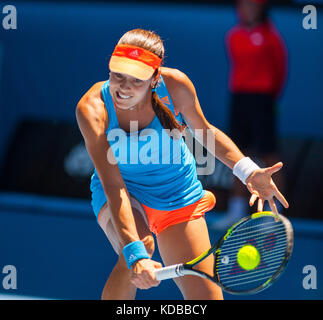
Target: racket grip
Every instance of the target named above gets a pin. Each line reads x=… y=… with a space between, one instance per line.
x=169 y=272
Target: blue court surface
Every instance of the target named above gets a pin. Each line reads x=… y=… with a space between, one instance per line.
x=60 y=252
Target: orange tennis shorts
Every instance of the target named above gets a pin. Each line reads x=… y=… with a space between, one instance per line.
x=159 y=220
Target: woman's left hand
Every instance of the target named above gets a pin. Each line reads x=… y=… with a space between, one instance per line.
x=261 y=186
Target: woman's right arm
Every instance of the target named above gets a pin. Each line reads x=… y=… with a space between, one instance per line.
x=92 y=119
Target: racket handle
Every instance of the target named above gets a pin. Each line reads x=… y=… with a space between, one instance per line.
x=169 y=272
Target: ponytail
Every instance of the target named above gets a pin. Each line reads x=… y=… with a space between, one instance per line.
x=165 y=116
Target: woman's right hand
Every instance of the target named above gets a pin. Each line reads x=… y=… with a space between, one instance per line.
x=143 y=273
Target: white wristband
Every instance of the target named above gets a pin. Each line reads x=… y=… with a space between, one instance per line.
x=244 y=168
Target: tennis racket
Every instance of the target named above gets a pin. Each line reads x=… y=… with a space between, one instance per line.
x=271 y=236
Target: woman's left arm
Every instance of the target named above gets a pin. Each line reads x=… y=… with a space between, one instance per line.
x=257 y=180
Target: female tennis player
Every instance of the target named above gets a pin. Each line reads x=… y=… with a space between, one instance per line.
x=127 y=123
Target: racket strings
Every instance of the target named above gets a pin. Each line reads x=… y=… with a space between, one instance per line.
x=268 y=248
x=268 y=237
x=248 y=228
x=257 y=231
x=265 y=258
x=247 y=282
x=248 y=275
x=243 y=277
x=237 y=245
x=235 y=269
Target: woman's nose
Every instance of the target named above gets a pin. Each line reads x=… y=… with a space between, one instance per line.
x=124 y=84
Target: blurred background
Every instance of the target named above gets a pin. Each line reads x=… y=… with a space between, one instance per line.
x=56 y=53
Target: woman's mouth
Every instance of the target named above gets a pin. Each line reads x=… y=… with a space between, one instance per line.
x=122 y=96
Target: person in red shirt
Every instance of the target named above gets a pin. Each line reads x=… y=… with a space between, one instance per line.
x=258 y=68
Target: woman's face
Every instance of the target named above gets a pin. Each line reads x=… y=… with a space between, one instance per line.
x=128 y=91
x=249 y=11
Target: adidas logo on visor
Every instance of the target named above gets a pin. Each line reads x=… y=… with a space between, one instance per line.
x=134 y=53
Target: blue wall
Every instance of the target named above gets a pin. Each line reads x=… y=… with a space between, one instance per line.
x=59 y=50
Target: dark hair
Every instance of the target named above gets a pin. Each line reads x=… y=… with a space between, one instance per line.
x=152 y=42
x=264 y=16
x=263 y=13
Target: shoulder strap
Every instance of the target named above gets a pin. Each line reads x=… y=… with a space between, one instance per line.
x=108 y=101
x=166 y=99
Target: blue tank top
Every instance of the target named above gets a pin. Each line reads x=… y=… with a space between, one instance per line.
x=158 y=170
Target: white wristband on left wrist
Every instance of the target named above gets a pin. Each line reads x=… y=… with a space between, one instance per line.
x=244 y=168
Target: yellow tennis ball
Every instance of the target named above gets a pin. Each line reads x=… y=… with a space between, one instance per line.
x=248 y=257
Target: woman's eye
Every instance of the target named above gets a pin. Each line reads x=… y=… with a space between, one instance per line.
x=117 y=76
x=138 y=81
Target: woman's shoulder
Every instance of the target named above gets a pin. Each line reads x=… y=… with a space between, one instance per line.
x=179 y=86
x=176 y=81
x=92 y=98
x=173 y=76
x=91 y=109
